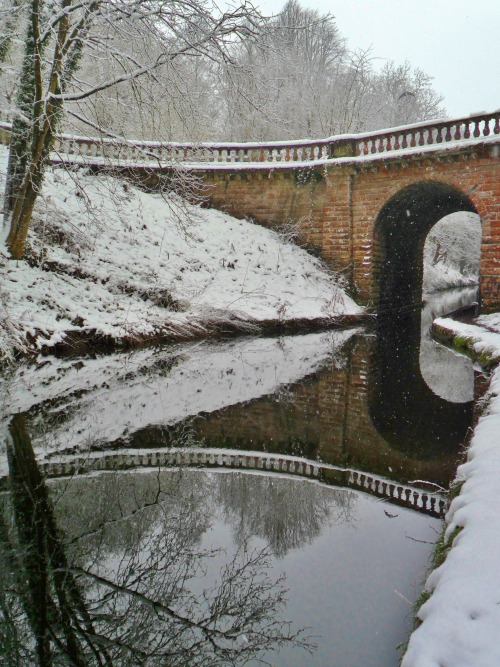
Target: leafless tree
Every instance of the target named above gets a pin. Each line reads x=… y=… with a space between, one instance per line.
x=286 y=515
x=59 y=34
x=299 y=79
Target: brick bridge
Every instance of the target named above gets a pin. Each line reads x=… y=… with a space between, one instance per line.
x=364 y=202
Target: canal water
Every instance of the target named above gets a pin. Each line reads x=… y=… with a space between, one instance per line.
x=263 y=499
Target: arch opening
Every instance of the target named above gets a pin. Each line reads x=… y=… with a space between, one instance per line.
x=452 y=254
x=401 y=230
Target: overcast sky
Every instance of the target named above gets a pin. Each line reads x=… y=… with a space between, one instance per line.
x=455 y=41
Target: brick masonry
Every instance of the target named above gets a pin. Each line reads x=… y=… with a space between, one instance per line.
x=336 y=209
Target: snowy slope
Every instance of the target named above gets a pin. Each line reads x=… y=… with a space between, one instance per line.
x=490 y=322
x=108 y=257
x=452 y=251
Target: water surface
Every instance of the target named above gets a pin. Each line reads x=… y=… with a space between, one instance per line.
x=119 y=554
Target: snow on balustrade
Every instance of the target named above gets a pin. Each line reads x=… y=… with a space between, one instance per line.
x=428 y=135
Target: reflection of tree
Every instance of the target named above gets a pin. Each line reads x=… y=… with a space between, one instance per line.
x=122 y=590
x=286 y=514
x=50 y=602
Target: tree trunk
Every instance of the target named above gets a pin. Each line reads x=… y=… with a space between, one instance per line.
x=33 y=131
x=23 y=210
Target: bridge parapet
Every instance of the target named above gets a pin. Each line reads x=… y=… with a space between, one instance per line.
x=433 y=135
x=332 y=190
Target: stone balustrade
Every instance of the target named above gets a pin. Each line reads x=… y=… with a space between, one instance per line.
x=409 y=138
x=158 y=154
x=433 y=133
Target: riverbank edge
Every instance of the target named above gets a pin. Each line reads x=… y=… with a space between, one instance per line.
x=467 y=339
x=475 y=342
x=83 y=341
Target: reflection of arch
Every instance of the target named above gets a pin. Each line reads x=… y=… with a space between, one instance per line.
x=408 y=415
x=400 y=231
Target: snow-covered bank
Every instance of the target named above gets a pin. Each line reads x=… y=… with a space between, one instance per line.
x=111 y=261
x=480 y=341
x=460 y=620
x=451 y=252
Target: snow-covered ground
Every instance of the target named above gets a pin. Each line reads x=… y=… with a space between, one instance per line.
x=481 y=340
x=109 y=258
x=490 y=322
x=461 y=618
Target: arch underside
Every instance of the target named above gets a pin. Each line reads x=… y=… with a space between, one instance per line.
x=400 y=232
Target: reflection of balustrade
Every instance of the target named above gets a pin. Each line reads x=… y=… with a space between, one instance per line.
x=120 y=152
x=393 y=492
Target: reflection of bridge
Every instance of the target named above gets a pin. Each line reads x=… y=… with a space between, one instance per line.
x=363 y=201
x=399 y=494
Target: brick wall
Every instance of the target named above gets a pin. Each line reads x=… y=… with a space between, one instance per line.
x=314 y=200
x=336 y=208
x=476 y=174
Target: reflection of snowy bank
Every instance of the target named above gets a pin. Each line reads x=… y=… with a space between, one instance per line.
x=91 y=401
x=448 y=374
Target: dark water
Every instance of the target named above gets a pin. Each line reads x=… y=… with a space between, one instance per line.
x=266 y=543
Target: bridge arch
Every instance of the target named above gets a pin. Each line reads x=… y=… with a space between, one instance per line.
x=401 y=228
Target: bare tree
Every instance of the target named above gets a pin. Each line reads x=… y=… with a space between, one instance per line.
x=286 y=516
x=299 y=79
x=277 y=89
x=10 y=15
x=59 y=33
x=404 y=95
